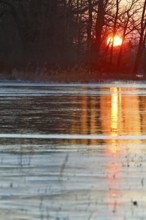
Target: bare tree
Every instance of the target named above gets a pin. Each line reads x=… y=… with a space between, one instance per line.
x=141 y=40
x=99 y=24
x=114 y=29
x=128 y=23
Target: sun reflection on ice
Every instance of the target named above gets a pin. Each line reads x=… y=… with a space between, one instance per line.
x=115 y=101
x=114 y=111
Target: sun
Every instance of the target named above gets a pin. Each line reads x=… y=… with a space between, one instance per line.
x=116 y=41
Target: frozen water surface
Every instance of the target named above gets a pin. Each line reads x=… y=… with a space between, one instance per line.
x=73 y=151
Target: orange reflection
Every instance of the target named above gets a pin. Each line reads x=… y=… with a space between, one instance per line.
x=120 y=115
x=112 y=117
x=115 y=108
x=114 y=111
x=110 y=106
x=120 y=112
x=131 y=113
x=84 y=118
x=73 y=127
x=88 y=118
x=143 y=115
x=93 y=119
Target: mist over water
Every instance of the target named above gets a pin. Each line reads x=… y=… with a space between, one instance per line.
x=73 y=151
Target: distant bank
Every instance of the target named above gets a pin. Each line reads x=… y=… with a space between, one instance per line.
x=82 y=76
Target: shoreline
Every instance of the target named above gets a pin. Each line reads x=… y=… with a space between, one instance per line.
x=69 y=78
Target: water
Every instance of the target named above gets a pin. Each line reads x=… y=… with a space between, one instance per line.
x=73 y=151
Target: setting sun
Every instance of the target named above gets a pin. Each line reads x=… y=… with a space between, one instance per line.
x=116 y=41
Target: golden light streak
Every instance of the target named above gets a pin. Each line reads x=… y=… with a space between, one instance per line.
x=114 y=111
x=93 y=119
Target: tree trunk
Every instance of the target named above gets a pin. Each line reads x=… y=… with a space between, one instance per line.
x=89 y=30
x=114 y=31
x=121 y=47
x=99 y=25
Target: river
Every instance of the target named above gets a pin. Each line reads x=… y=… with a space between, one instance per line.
x=73 y=151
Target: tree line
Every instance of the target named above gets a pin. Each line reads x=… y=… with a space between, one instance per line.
x=64 y=33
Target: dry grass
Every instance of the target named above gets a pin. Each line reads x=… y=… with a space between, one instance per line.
x=69 y=75
x=74 y=74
